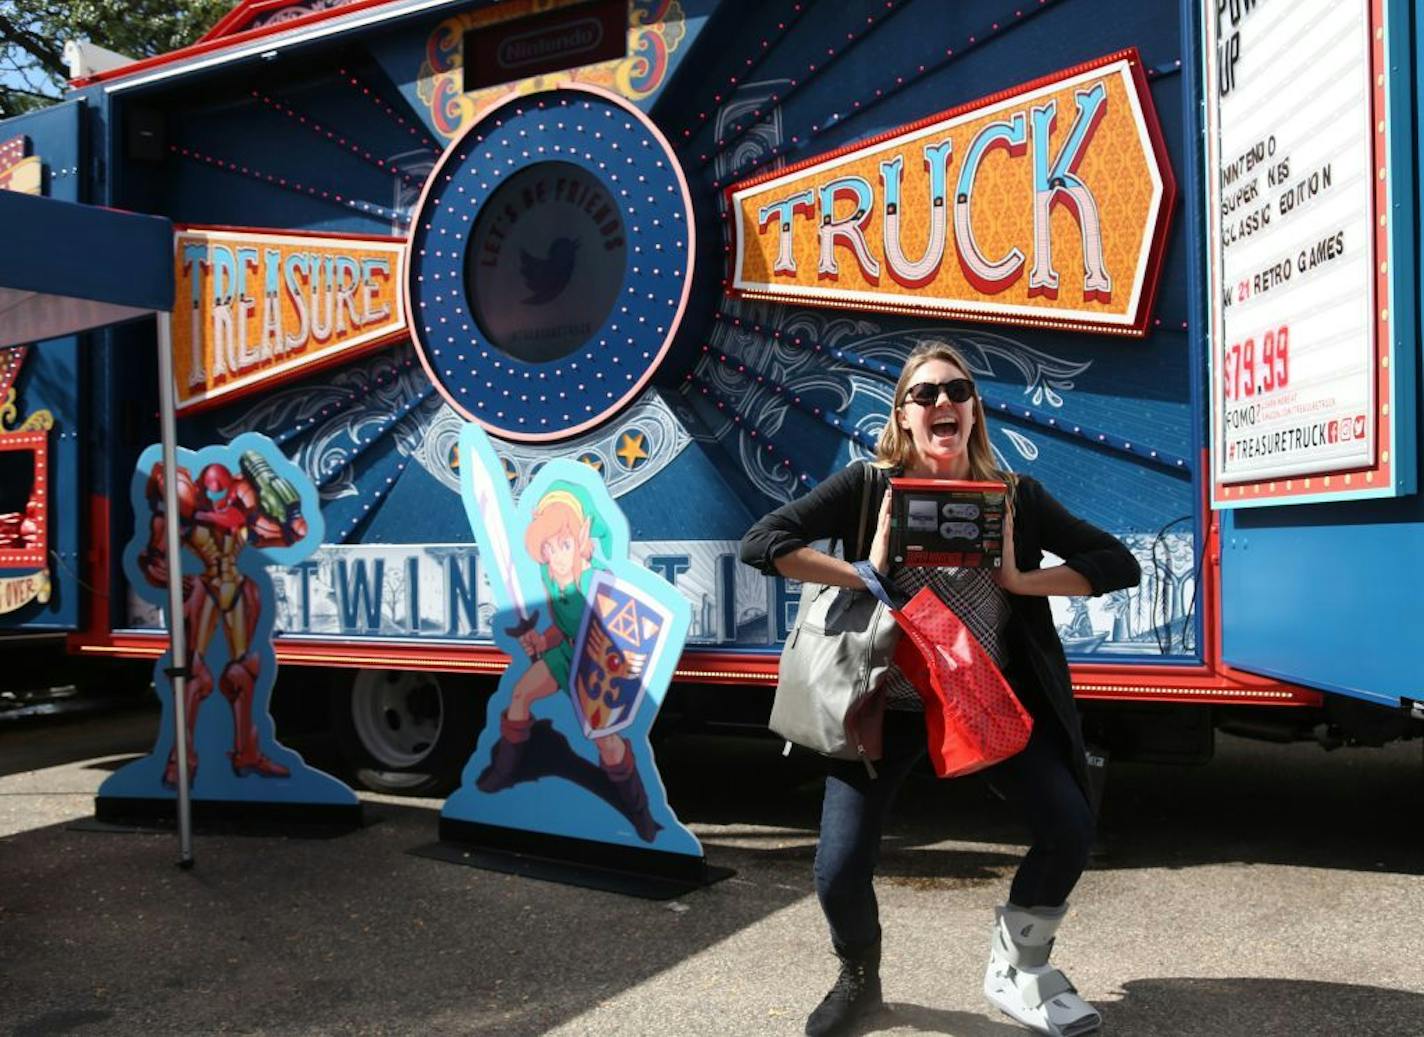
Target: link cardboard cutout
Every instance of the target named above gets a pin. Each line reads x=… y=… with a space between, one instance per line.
x=241 y=507
x=593 y=639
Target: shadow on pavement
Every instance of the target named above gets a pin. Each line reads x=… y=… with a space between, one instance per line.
x=31 y=745
x=1255 y=803
x=1261 y=1007
x=101 y=933
x=922 y=1019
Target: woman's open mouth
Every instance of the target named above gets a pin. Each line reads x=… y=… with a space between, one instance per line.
x=945 y=428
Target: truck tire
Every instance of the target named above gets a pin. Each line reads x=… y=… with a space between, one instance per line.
x=406 y=732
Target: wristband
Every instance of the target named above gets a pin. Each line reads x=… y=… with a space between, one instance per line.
x=872 y=580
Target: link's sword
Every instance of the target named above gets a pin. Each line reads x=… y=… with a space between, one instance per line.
x=489 y=498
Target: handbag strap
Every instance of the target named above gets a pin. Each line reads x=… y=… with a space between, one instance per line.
x=860 y=547
x=867 y=572
x=869 y=477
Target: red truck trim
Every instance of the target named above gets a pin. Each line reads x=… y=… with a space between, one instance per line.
x=707 y=667
x=212 y=43
x=1091 y=682
x=95 y=563
x=1212 y=682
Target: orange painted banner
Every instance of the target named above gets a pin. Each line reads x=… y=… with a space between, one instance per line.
x=1047 y=204
x=253 y=307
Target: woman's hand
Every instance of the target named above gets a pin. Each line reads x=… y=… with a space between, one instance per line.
x=880 y=545
x=1007 y=575
x=1038 y=583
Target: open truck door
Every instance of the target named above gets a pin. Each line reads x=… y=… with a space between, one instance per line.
x=1311 y=190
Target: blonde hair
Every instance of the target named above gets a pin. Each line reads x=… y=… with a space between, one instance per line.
x=896 y=449
x=558 y=514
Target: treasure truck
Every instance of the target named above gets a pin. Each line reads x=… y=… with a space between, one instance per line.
x=689 y=243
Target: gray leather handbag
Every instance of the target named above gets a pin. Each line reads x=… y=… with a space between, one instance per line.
x=828 y=684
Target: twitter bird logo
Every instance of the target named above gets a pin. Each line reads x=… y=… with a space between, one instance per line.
x=547 y=277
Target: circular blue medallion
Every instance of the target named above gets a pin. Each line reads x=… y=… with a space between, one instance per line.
x=550 y=260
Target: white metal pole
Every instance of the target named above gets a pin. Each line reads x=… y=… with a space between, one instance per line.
x=177 y=634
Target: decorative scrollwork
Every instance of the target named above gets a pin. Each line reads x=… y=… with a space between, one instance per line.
x=356 y=404
x=644 y=440
x=39 y=421
x=9 y=411
x=843 y=386
x=762 y=138
x=1045 y=376
x=1026 y=447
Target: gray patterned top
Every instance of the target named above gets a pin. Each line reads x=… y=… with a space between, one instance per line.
x=974 y=597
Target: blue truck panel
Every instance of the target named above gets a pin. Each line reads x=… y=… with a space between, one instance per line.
x=48 y=390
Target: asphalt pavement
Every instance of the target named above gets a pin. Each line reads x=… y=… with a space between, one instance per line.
x=1276 y=890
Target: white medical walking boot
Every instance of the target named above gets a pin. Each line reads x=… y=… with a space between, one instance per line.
x=1019 y=981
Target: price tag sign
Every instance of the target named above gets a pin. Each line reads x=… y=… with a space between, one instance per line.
x=1296 y=164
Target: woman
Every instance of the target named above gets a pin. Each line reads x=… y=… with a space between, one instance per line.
x=937 y=430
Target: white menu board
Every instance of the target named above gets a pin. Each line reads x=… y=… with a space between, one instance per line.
x=1290 y=237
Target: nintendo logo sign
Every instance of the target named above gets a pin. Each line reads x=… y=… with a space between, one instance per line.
x=531 y=48
x=549 y=42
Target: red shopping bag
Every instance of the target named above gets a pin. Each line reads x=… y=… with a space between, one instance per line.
x=973 y=717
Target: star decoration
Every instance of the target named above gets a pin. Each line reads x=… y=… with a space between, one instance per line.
x=630 y=450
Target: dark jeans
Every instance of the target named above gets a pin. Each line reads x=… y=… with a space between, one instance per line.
x=1039 y=780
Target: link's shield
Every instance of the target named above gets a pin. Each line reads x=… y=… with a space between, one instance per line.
x=618 y=642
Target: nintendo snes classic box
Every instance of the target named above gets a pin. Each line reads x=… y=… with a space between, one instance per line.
x=946 y=522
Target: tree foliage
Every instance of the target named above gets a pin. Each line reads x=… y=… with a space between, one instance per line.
x=33 y=32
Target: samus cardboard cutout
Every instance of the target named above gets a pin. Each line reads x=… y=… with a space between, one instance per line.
x=241 y=507
x=593 y=638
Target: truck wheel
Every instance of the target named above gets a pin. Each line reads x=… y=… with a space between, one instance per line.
x=405 y=732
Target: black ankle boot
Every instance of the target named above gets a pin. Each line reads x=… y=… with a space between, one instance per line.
x=855 y=997
x=503 y=769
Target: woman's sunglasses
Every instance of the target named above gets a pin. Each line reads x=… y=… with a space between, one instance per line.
x=926 y=394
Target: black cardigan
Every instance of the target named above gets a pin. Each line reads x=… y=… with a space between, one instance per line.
x=1037 y=669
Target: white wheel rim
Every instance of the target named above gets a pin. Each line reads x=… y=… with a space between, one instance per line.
x=397 y=715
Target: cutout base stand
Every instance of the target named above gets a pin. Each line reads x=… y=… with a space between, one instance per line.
x=228 y=817
x=630 y=870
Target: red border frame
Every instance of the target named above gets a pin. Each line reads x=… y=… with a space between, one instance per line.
x=1156 y=252
x=12 y=362
x=38 y=441
x=1364 y=481
x=904 y=482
